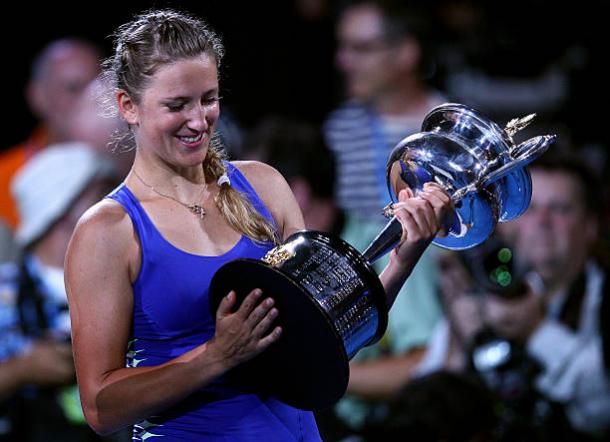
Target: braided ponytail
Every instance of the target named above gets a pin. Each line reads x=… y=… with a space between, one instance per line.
x=235 y=208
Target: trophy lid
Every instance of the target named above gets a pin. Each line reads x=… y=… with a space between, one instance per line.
x=492 y=145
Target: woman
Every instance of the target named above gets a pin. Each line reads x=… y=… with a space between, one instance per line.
x=140 y=262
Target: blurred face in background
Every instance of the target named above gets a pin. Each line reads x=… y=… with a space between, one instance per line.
x=371 y=65
x=59 y=82
x=555 y=234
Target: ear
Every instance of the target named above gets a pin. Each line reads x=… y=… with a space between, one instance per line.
x=35 y=98
x=127 y=107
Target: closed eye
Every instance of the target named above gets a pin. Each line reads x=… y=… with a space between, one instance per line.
x=210 y=100
x=174 y=107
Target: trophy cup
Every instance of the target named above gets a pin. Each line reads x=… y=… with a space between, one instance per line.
x=331 y=301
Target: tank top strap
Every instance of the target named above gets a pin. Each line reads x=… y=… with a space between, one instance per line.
x=142 y=224
x=241 y=184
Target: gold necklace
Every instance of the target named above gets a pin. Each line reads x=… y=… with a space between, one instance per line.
x=196 y=209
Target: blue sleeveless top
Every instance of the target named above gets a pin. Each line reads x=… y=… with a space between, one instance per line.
x=171 y=316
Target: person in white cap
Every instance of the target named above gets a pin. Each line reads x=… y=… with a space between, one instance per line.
x=36 y=367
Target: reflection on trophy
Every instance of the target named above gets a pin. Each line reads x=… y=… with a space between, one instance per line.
x=331 y=301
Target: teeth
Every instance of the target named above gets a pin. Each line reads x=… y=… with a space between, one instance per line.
x=192 y=139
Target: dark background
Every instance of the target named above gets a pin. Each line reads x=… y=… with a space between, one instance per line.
x=279 y=61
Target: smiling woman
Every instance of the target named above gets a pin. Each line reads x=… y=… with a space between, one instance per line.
x=181 y=213
x=143 y=297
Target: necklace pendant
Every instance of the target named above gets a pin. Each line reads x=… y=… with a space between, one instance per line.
x=197 y=210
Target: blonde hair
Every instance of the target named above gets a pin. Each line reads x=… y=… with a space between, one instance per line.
x=157 y=38
x=236 y=208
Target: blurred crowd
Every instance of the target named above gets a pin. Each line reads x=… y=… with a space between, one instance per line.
x=508 y=341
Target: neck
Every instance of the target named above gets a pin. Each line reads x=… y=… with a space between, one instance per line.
x=407 y=98
x=184 y=184
x=557 y=281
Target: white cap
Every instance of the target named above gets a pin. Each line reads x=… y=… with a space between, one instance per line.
x=45 y=187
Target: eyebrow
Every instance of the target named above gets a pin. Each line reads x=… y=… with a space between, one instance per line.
x=186 y=98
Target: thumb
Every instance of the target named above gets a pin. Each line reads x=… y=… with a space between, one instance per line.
x=226 y=304
x=405 y=194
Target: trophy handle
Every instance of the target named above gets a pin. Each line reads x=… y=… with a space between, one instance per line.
x=531 y=149
x=387 y=239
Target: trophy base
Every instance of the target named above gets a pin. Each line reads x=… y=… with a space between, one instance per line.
x=308 y=366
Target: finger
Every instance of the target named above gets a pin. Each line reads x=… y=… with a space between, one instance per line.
x=439 y=208
x=265 y=323
x=405 y=194
x=423 y=214
x=410 y=229
x=438 y=189
x=260 y=312
x=226 y=304
x=442 y=203
x=439 y=192
x=269 y=339
x=250 y=302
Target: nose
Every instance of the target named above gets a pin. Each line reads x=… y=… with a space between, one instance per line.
x=198 y=119
x=543 y=216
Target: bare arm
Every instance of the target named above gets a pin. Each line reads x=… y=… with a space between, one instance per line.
x=101 y=262
x=380 y=379
x=421 y=218
x=46 y=363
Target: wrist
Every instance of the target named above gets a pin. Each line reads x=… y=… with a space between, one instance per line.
x=214 y=359
x=406 y=255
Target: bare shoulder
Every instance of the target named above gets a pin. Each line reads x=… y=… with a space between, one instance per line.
x=275 y=193
x=105 y=220
x=259 y=174
x=268 y=183
x=104 y=235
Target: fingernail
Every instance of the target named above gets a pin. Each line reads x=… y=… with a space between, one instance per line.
x=268 y=302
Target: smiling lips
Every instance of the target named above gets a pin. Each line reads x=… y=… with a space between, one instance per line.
x=191 y=141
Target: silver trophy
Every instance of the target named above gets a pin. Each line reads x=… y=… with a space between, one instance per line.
x=331 y=301
x=475 y=161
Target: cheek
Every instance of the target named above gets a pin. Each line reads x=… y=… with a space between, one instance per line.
x=167 y=123
x=214 y=114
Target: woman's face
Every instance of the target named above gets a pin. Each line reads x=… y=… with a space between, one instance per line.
x=178 y=111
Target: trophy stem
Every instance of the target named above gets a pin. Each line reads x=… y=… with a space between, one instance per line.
x=384 y=242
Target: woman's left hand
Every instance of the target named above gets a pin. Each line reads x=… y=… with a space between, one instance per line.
x=422 y=218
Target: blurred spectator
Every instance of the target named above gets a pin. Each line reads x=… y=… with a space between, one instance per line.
x=555 y=238
x=92 y=125
x=60 y=73
x=8 y=248
x=297 y=149
x=537 y=341
x=39 y=398
x=382 y=57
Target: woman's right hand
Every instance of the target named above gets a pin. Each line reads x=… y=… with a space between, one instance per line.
x=243 y=334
